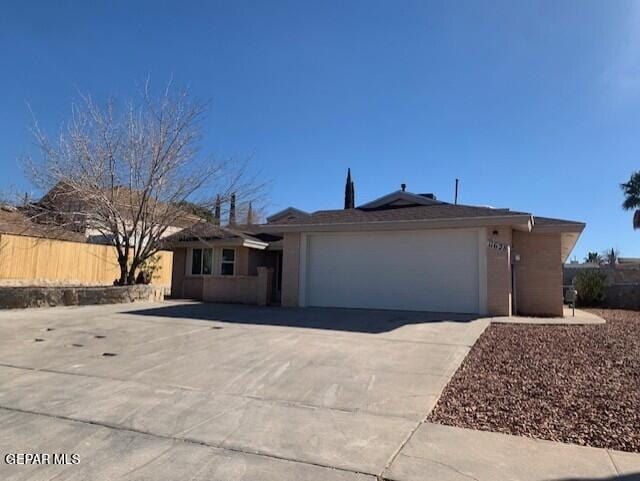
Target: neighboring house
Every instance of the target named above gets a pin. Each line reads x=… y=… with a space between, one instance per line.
x=62 y=206
x=401 y=251
x=629 y=261
x=15 y=222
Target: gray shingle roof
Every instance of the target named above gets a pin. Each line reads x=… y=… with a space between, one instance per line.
x=422 y=212
x=13 y=221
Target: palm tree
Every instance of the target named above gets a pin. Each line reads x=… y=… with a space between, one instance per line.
x=593 y=258
x=631 y=191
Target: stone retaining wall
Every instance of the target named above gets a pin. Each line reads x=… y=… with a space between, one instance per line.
x=18 y=297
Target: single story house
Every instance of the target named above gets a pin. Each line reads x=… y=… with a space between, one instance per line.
x=401 y=251
x=233 y=264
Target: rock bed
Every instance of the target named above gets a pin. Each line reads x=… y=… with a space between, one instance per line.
x=575 y=384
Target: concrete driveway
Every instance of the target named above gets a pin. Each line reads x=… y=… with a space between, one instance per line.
x=215 y=392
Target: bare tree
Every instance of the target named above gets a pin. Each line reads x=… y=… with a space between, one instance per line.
x=128 y=175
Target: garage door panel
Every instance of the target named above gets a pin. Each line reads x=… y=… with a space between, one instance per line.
x=416 y=270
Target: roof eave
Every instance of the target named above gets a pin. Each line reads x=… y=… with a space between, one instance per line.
x=520 y=222
x=569 y=227
x=231 y=242
x=195 y=241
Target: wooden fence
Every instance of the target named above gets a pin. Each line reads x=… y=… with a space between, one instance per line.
x=25 y=258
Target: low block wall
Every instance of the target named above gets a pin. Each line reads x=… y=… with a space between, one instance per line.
x=236 y=289
x=623 y=296
x=18 y=297
x=192 y=288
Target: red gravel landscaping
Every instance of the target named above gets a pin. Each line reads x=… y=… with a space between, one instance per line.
x=575 y=384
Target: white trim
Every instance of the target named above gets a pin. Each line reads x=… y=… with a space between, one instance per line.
x=255 y=244
x=482 y=271
x=302 y=270
x=250 y=243
x=206 y=243
x=399 y=195
x=222 y=261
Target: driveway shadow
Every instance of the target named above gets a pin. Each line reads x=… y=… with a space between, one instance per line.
x=352 y=320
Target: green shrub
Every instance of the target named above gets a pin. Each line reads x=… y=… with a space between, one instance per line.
x=591 y=287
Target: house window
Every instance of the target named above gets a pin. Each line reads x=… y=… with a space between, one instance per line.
x=201 y=262
x=207 y=262
x=227 y=262
x=196 y=262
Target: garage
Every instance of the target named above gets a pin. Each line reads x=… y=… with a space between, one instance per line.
x=431 y=270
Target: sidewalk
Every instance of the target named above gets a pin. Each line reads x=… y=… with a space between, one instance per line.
x=444 y=453
x=580 y=318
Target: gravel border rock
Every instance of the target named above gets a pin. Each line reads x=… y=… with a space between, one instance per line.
x=575 y=384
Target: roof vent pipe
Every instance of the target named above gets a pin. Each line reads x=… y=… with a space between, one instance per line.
x=455 y=201
x=403 y=187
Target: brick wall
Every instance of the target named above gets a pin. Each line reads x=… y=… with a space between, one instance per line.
x=538 y=274
x=499 y=272
x=290 y=269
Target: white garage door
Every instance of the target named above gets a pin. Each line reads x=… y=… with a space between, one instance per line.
x=432 y=270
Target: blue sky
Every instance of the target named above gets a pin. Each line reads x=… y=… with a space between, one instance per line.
x=533 y=105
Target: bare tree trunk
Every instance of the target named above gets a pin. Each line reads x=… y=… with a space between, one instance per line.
x=131 y=277
x=124 y=270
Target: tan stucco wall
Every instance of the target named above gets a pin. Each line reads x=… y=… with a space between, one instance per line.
x=538 y=273
x=242 y=261
x=233 y=289
x=499 y=272
x=192 y=288
x=290 y=269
